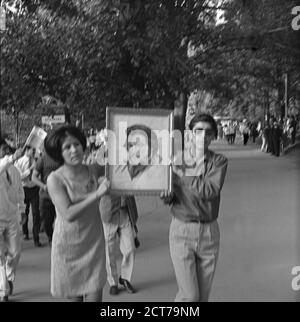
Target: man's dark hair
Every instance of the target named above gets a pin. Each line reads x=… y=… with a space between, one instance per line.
x=151 y=137
x=204 y=118
x=54 y=141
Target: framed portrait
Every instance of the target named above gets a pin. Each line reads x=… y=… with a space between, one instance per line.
x=139 y=150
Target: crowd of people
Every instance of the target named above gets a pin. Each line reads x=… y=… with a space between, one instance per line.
x=70 y=200
x=278 y=135
x=64 y=196
x=232 y=129
x=83 y=220
x=275 y=135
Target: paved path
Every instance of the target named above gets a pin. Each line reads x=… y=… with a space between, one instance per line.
x=259 y=225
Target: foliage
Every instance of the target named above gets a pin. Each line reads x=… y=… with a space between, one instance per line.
x=248 y=62
x=90 y=54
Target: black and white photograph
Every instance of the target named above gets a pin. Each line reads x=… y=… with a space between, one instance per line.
x=149 y=153
x=139 y=150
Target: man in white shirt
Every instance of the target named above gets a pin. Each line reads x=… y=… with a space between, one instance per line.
x=11 y=204
x=26 y=165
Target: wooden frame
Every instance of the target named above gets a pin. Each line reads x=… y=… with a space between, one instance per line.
x=128 y=179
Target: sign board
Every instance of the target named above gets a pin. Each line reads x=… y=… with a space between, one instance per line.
x=36 y=138
x=55 y=119
x=2 y=19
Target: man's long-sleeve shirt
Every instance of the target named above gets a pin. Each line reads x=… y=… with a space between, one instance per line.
x=197 y=198
x=11 y=191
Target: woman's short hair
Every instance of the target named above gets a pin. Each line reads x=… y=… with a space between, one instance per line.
x=204 y=118
x=55 y=139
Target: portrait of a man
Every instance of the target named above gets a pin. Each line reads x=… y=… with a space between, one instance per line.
x=142 y=168
x=142 y=150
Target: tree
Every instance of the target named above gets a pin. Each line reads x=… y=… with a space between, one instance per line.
x=256 y=47
x=106 y=52
x=90 y=54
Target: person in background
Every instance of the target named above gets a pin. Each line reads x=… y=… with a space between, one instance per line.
x=90 y=156
x=235 y=126
x=293 y=129
x=11 y=205
x=244 y=129
x=231 y=132
x=43 y=168
x=253 y=131
x=220 y=131
x=271 y=148
x=25 y=165
x=119 y=216
x=285 y=134
x=194 y=231
x=78 y=270
x=264 y=136
x=276 y=138
x=92 y=139
x=227 y=133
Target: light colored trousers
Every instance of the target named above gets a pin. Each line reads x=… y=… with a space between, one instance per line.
x=194 y=249
x=120 y=226
x=264 y=145
x=10 y=252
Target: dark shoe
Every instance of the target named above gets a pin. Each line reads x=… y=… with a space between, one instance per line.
x=37 y=244
x=114 y=290
x=11 y=287
x=26 y=237
x=129 y=288
x=4 y=299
